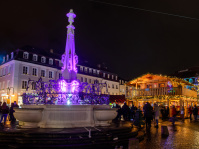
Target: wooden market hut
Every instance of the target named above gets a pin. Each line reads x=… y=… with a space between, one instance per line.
x=161 y=89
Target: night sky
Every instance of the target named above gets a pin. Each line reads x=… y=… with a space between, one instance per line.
x=129 y=42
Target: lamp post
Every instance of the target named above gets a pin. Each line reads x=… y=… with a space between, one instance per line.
x=8 y=93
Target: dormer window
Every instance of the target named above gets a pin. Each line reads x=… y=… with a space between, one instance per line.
x=4 y=59
x=94 y=71
x=112 y=76
x=104 y=75
x=34 y=58
x=7 y=57
x=25 y=55
x=85 y=70
x=51 y=61
x=12 y=55
x=108 y=76
x=81 y=69
x=98 y=72
x=115 y=77
x=90 y=70
x=43 y=59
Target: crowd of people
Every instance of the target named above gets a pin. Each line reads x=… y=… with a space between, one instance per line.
x=153 y=113
x=6 y=112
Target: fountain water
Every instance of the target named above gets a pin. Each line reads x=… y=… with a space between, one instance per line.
x=66 y=102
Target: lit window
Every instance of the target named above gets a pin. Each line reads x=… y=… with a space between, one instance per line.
x=81 y=69
x=24 y=84
x=1 y=72
x=115 y=77
x=34 y=72
x=34 y=58
x=116 y=87
x=94 y=71
x=4 y=71
x=43 y=73
x=43 y=59
x=90 y=70
x=85 y=70
x=82 y=79
x=112 y=85
x=98 y=72
x=112 y=76
x=9 y=69
x=108 y=86
x=50 y=74
x=25 y=70
x=108 y=76
x=104 y=75
x=25 y=55
x=4 y=59
x=51 y=61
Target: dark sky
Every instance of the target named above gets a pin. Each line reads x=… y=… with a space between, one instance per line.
x=130 y=42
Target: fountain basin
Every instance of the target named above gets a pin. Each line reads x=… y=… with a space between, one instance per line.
x=65 y=116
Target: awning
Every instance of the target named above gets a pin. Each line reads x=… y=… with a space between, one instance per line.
x=117 y=98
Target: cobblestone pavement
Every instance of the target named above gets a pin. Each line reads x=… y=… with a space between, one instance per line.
x=182 y=136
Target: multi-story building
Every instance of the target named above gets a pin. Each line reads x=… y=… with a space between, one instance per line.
x=31 y=63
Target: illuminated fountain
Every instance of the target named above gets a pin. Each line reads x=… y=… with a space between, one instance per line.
x=66 y=103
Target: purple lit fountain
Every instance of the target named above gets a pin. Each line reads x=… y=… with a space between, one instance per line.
x=66 y=103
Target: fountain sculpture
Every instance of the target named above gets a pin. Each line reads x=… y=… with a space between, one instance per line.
x=66 y=102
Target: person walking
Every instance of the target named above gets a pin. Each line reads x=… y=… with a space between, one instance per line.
x=195 y=112
x=5 y=111
x=173 y=115
x=12 y=118
x=157 y=114
x=190 y=112
x=148 y=114
x=182 y=113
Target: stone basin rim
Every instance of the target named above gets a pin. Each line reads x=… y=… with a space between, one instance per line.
x=28 y=108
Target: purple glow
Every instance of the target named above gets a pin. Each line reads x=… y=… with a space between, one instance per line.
x=74 y=86
x=63 y=85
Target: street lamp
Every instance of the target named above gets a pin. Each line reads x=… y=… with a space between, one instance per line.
x=8 y=93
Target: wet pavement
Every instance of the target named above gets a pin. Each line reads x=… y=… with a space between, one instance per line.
x=182 y=136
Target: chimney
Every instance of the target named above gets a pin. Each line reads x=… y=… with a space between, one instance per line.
x=51 y=50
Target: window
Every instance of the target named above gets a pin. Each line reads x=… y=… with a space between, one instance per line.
x=1 y=72
x=51 y=61
x=0 y=85
x=112 y=85
x=81 y=69
x=90 y=70
x=8 y=83
x=104 y=75
x=43 y=73
x=34 y=71
x=50 y=74
x=108 y=76
x=60 y=75
x=115 y=77
x=89 y=80
x=33 y=85
x=85 y=79
x=112 y=76
x=9 y=69
x=34 y=58
x=4 y=59
x=94 y=71
x=4 y=71
x=12 y=55
x=116 y=87
x=24 y=84
x=7 y=57
x=108 y=86
x=43 y=59
x=3 y=85
x=25 y=55
x=25 y=70
x=85 y=70
x=82 y=79
x=97 y=72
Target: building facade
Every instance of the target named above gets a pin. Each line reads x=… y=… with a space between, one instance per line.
x=30 y=63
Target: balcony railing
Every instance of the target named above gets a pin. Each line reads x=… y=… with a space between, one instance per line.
x=162 y=91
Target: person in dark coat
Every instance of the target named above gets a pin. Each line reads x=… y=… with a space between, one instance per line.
x=115 y=105
x=190 y=110
x=133 y=111
x=15 y=104
x=195 y=112
x=148 y=109
x=12 y=118
x=5 y=111
x=125 y=111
